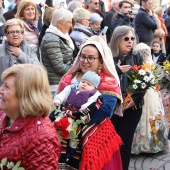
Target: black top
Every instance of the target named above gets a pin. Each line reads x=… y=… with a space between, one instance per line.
x=145 y=26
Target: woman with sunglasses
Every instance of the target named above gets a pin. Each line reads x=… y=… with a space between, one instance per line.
x=123 y=44
x=14 y=49
x=99 y=144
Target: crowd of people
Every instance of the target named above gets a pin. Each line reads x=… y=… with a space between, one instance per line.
x=57 y=61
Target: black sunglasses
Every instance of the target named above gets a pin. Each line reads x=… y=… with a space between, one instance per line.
x=96 y=3
x=127 y=38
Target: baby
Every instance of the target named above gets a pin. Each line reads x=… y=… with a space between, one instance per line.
x=77 y=97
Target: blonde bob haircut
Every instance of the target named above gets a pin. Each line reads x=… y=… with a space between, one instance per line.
x=24 y=4
x=80 y=13
x=32 y=89
x=159 y=11
x=13 y=21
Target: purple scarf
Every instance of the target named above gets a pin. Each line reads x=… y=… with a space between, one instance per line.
x=32 y=26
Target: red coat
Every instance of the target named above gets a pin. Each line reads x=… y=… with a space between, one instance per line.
x=33 y=141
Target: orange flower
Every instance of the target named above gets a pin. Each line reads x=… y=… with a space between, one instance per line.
x=135 y=68
x=158 y=87
x=126 y=100
x=164 y=68
x=146 y=67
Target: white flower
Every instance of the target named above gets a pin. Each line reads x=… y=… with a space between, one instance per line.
x=57 y=118
x=143 y=85
x=151 y=76
x=70 y=127
x=146 y=78
x=135 y=86
x=152 y=81
x=142 y=72
x=137 y=81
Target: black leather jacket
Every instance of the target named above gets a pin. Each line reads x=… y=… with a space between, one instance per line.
x=133 y=58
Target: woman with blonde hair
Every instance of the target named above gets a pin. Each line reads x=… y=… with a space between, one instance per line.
x=27 y=133
x=14 y=49
x=27 y=11
x=159 y=11
x=81 y=31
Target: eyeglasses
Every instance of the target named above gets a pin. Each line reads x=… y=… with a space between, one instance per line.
x=18 y=32
x=87 y=19
x=89 y=59
x=127 y=38
x=96 y=3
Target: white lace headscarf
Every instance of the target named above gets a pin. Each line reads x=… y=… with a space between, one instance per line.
x=108 y=63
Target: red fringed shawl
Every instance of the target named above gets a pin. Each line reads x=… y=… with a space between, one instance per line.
x=100 y=147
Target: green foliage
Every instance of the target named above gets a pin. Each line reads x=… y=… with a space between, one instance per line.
x=10 y=165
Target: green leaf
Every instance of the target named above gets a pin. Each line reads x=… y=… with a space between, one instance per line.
x=20 y=168
x=10 y=165
x=17 y=165
x=4 y=161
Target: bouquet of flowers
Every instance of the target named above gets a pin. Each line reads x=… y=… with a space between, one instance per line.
x=143 y=77
x=66 y=126
x=165 y=81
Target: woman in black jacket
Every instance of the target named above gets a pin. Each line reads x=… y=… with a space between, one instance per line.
x=123 y=49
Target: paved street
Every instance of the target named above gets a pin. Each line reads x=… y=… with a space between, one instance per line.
x=159 y=161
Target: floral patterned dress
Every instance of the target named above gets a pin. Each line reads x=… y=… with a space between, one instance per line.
x=151 y=135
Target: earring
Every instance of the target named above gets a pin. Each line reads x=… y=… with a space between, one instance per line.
x=99 y=68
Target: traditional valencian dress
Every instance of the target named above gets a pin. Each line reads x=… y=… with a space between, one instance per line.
x=151 y=135
x=100 y=141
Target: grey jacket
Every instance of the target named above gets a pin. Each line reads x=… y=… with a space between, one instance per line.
x=56 y=56
x=80 y=34
x=28 y=55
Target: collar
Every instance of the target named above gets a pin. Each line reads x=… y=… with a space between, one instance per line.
x=15 y=8
x=143 y=9
x=17 y=125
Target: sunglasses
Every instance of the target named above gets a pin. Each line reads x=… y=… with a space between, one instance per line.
x=96 y=3
x=127 y=38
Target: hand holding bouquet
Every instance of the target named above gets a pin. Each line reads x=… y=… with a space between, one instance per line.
x=142 y=77
x=66 y=126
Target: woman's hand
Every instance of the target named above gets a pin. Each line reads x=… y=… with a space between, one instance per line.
x=16 y=51
x=129 y=105
x=123 y=68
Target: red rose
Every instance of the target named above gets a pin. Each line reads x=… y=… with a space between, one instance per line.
x=64 y=123
x=57 y=125
x=64 y=134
